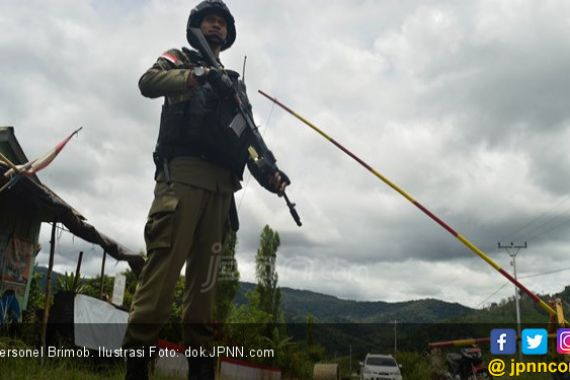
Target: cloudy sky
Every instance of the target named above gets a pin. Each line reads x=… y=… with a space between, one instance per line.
x=466 y=105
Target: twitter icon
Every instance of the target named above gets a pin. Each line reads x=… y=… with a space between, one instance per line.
x=534 y=341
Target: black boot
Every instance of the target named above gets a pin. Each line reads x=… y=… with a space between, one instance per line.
x=137 y=369
x=201 y=368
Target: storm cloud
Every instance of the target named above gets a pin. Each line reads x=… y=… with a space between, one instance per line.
x=465 y=105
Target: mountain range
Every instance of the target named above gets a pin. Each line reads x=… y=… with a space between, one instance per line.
x=298 y=304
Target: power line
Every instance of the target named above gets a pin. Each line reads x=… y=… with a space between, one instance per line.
x=546 y=214
x=262 y=135
x=552 y=228
x=521 y=277
x=495 y=292
x=545 y=273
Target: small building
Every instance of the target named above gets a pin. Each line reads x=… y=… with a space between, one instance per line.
x=23 y=208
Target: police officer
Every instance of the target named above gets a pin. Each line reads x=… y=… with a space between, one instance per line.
x=199 y=162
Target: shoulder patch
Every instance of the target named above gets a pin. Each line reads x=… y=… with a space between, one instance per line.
x=170 y=57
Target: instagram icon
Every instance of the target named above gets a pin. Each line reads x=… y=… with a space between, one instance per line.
x=563 y=341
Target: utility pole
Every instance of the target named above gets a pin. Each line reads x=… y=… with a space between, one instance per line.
x=512 y=251
x=48 y=289
x=102 y=275
x=350 y=359
x=395 y=336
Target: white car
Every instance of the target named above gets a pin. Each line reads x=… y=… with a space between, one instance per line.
x=380 y=367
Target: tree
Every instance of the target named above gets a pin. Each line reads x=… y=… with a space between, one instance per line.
x=310 y=330
x=92 y=286
x=266 y=273
x=253 y=323
x=280 y=344
x=228 y=279
x=246 y=324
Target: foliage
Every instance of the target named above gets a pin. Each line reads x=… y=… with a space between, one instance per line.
x=36 y=297
x=301 y=360
x=228 y=279
x=68 y=283
x=310 y=330
x=31 y=317
x=266 y=273
x=298 y=303
x=93 y=287
x=347 y=365
x=259 y=321
x=56 y=368
x=246 y=324
x=414 y=365
x=280 y=344
x=505 y=312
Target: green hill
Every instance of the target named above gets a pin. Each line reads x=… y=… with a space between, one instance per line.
x=505 y=311
x=297 y=304
x=369 y=326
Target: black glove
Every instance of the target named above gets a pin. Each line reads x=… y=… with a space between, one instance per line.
x=284 y=178
x=221 y=82
x=263 y=171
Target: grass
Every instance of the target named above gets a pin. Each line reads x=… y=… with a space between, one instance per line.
x=64 y=369
x=415 y=367
x=58 y=368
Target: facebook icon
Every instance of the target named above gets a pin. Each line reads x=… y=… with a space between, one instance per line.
x=503 y=341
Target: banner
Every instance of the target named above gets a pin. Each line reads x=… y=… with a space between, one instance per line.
x=98 y=324
x=119 y=290
x=232 y=369
x=18 y=260
x=16 y=264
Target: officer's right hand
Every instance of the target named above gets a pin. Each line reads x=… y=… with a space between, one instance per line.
x=221 y=82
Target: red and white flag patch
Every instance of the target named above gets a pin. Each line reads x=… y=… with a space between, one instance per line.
x=169 y=57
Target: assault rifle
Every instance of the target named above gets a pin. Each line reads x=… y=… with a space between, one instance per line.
x=258 y=150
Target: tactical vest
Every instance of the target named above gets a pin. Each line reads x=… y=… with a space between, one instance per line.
x=205 y=126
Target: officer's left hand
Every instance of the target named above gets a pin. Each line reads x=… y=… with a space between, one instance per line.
x=279 y=183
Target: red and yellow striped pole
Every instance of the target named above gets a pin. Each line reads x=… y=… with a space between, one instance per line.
x=448 y=228
x=457 y=343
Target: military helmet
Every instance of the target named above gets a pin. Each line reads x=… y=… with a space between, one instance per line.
x=207 y=6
